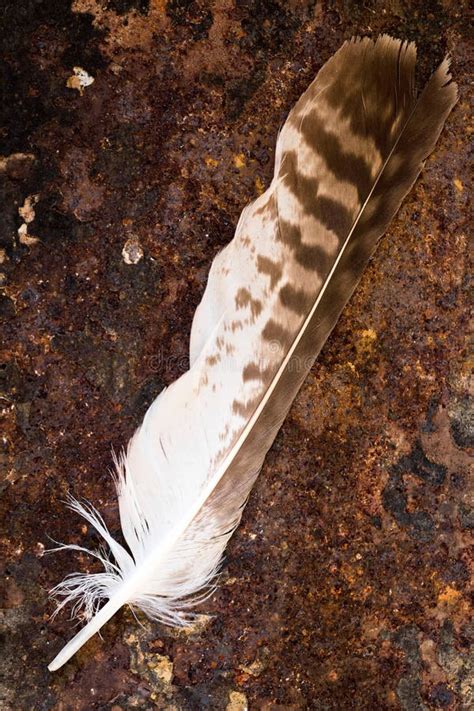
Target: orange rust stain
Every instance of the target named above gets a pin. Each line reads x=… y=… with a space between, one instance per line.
x=211 y=162
x=449 y=596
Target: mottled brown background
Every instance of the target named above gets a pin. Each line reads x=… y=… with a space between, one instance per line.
x=346 y=586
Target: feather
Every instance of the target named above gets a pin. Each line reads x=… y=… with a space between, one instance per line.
x=348 y=153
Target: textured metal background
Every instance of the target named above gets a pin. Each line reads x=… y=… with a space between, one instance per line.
x=346 y=585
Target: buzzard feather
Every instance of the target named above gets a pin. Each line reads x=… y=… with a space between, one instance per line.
x=348 y=153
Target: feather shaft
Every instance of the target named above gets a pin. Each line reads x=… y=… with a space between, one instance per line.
x=93 y=626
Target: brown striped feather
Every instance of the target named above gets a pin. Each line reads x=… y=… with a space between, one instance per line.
x=351 y=149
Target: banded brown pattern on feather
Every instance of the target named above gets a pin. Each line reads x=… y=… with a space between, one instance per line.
x=255 y=371
x=312 y=257
x=297 y=300
x=244 y=299
x=274 y=332
x=350 y=150
x=269 y=268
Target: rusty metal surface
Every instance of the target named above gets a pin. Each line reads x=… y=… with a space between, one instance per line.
x=346 y=586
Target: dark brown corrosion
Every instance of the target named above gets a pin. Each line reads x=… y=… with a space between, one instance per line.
x=346 y=585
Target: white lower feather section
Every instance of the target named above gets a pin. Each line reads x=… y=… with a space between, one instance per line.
x=175 y=554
